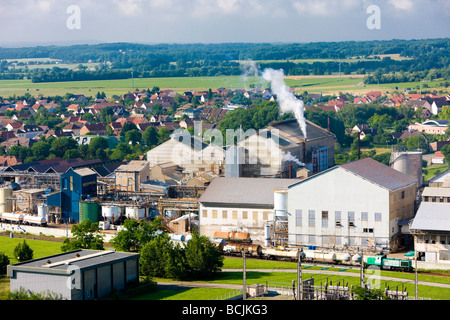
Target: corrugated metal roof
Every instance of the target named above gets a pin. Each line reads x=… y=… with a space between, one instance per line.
x=432 y=216
x=379 y=173
x=436 y=192
x=244 y=191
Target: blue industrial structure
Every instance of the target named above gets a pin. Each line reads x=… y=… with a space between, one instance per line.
x=76 y=185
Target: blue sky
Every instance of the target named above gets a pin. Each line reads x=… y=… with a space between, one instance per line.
x=215 y=21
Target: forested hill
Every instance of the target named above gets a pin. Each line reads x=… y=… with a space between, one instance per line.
x=170 y=60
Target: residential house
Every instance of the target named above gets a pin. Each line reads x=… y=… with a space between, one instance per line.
x=29 y=131
x=95 y=128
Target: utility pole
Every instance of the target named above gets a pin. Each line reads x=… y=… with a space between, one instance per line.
x=299 y=275
x=363 y=285
x=416 y=279
x=244 y=289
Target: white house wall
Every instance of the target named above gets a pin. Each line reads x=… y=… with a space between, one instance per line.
x=334 y=191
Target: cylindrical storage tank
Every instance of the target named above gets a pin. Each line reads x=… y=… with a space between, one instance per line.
x=267 y=235
x=346 y=257
x=135 y=213
x=5 y=201
x=42 y=211
x=89 y=210
x=111 y=213
x=13 y=217
x=280 y=203
x=176 y=237
x=356 y=257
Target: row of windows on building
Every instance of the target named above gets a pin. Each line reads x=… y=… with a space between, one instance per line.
x=436 y=199
x=234 y=214
x=433 y=239
x=338 y=218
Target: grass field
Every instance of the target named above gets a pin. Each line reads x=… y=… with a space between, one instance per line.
x=331 y=84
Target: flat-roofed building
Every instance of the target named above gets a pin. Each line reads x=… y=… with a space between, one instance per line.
x=76 y=275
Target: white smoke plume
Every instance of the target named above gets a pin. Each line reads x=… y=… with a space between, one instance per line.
x=249 y=68
x=287 y=156
x=286 y=99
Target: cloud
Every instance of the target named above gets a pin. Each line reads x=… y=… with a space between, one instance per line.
x=129 y=7
x=324 y=7
x=402 y=4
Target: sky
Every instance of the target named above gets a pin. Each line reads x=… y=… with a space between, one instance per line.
x=43 y=22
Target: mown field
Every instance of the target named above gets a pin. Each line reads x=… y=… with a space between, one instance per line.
x=331 y=84
x=46 y=248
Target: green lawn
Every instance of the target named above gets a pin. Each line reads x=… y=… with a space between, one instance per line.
x=40 y=248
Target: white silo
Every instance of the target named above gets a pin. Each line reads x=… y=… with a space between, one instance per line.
x=280 y=207
x=5 y=199
x=407 y=162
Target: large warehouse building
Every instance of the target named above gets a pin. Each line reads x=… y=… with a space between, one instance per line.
x=76 y=275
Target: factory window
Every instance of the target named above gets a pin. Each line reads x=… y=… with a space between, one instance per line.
x=65 y=184
x=234 y=215
x=337 y=216
x=244 y=215
x=325 y=240
x=204 y=213
x=214 y=214
x=325 y=219
x=19 y=198
x=364 y=216
x=377 y=216
x=403 y=194
x=311 y=218
x=298 y=218
x=224 y=214
x=338 y=240
x=351 y=216
x=266 y=215
x=312 y=239
x=255 y=215
x=364 y=241
x=71 y=183
x=299 y=238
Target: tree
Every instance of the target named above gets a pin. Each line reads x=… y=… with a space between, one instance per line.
x=23 y=252
x=61 y=145
x=4 y=261
x=150 y=136
x=86 y=236
x=134 y=136
x=163 y=135
x=369 y=294
x=202 y=256
x=154 y=256
x=135 y=235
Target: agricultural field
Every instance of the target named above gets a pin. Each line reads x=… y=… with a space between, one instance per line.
x=331 y=84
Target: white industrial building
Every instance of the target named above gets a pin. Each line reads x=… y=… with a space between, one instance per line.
x=239 y=205
x=362 y=204
x=431 y=225
x=76 y=275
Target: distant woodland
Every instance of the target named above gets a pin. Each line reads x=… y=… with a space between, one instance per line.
x=418 y=59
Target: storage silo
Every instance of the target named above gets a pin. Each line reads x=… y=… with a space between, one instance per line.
x=407 y=162
x=5 y=199
x=280 y=208
x=111 y=213
x=89 y=210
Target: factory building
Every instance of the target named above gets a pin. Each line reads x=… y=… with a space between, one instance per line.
x=76 y=185
x=189 y=153
x=239 y=205
x=128 y=177
x=431 y=225
x=76 y=275
x=362 y=204
x=280 y=149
